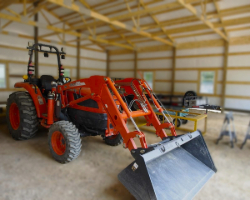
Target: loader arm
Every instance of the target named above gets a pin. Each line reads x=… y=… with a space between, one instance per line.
x=117 y=118
x=104 y=89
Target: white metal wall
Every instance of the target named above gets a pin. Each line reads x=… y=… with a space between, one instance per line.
x=14 y=55
x=189 y=64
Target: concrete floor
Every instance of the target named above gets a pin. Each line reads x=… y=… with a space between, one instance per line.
x=27 y=170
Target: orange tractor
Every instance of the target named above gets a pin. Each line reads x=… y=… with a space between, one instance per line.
x=175 y=168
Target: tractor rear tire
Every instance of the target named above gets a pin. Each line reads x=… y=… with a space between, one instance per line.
x=21 y=116
x=113 y=140
x=64 y=141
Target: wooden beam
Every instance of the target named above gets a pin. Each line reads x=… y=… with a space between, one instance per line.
x=94 y=33
x=117 y=11
x=21 y=13
x=24 y=7
x=232 y=22
x=4 y=4
x=129 y=10
x=59 y=30
x=122 y=36
x=47 y=20
x=220 y=18
x=230 y=12
x=157 y=21
x=107 y=20
x=108 y=63
x=12 y=12
x=243 y=40
x=78 y=60
x=201 y=18
x=146 y=11
x=225 y=65
x=173 y=70
x=135 y=64
x=37 y=8
x=183 y=20
x=103 y=3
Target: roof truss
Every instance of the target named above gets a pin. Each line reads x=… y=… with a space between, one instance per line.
x=85 y=21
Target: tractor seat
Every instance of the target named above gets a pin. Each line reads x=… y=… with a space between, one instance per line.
x=46 y=83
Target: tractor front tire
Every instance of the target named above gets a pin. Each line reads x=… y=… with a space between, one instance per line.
x=113 y=140
x=21 y=116
x=64 y=141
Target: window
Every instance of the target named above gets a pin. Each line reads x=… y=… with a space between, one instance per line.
x=2 y=76
x=207 y=82
x=66 y=72
x=148 y=76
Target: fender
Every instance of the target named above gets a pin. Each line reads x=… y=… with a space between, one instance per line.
x=38 y=99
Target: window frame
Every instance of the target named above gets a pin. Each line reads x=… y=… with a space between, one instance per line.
x=6 y=75
x=214 y=82
x=153 y=78
x=69 y=72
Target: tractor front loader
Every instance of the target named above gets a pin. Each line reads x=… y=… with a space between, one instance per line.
x=175 y=168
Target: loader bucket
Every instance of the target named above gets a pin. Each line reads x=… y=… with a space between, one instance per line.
x=175 y=169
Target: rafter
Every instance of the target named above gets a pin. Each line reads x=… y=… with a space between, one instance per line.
x=36 y=9
x=193 y=2
x=146 y=11
x=59 y=30
x=188 y=19
x=111 y=6
x=12 y=12
x=218 y=11
x=232 y=22
x=129 y=10
x=230 y=11
x=5 y=4
x=103 y=18
x=100 y=23
x=112 y=27
x=156 y=21
x=47 y=20
x=21 y=13
x=201 y=18
x=57 y=17
x=24 y=7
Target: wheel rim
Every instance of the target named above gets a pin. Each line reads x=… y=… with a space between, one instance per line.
x=58 y=143
x=14 y=116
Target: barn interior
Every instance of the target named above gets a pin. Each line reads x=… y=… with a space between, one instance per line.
x=175 y=45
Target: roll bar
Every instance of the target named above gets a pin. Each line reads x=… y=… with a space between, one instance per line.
x=38 y=47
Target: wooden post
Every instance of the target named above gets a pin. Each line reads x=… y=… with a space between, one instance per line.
x=224 y=80
x=173 y=70
x=78 y=52
x=7 y=75
x=135 y=64
x=36 y=41
x=107 y=63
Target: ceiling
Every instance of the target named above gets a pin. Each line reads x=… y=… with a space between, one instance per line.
x=127 y=24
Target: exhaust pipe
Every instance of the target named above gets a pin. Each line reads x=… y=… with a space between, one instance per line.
x=171 y=169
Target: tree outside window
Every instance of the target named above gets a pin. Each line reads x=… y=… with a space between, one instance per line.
x=149 y=76
x=66 y=72
x=207 y=82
